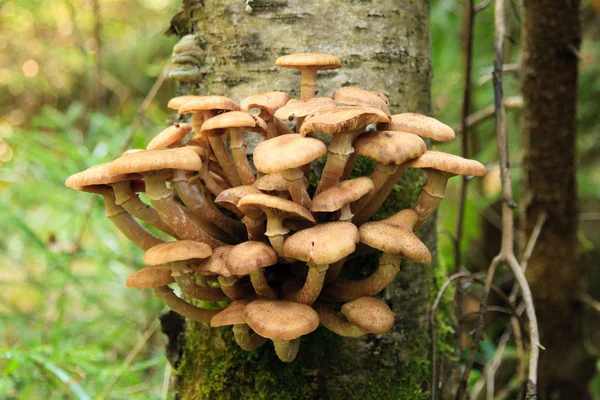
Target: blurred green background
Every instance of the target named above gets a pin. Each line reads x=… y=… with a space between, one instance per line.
x=74 y=75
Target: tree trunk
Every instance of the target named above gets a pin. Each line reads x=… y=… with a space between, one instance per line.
x=551 y=38
x=384 y=46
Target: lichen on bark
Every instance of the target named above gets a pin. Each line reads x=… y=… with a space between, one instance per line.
x=383 y=47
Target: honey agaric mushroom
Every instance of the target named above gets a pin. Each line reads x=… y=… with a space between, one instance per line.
x=203 y=108
x=356 y=96
x=234 y=315
x=340 y=195
x=439 y=167
x=150 y=277
x=277 y=210
x=250 y=258
x=284 y=322
x=286 y=154
x=275 y=183
x=169 y=136
x=156 y=166
x=309 y=64
x=345 y=123
x=319 y=246
x=237 y=122
x=395 y=238
x=268 y=103
x=420 y=125
x=216 y=265
x=364 y=315
x=254 y=223
x=389 y=149
x=96 y=180
x=197 y=201
x=183 y=256
x=299 y=108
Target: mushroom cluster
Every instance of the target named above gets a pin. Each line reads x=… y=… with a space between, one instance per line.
x=252 y=231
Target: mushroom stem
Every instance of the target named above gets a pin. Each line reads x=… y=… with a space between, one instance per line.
x=130 y=201
x=286 y=350
x=332 y=321
x=276 y=234
x=190 y=288
x=431 y=195
x=206 y=178
x=203 y=208
x=162 y=198
x=182 y=307
x=295 y=182
x=246 y=340
x=261 y=286
x=255 y=228
x=380 y=175
x=346 y=213
x=128 y=225
x=313 y=285
x=338 y=152
x=225 y=160
x=377 y=200
x=346 y=290
x=308 y=84
x=238 y=150
x=349 y=166
x=233 y=289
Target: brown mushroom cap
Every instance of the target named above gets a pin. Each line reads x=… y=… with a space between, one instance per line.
x=394 y=236
x=232 y=315
x=298 y=108
x=447 y=163
x=176 y=251
x=369 y=314
x=233 y=119
x=167 y=137
x=268 y=101
x=356 y=96
x=274 y=182
x=178 y=101
x=389 y=147
x=323 y=243
x=419 y=124
x=342 y=119
x=287 y=152
x=150 y=277
x=96 y=175
x=152 y=160
x=250 y=256
x=341 y=194
x=280 y=319
x=206 y=103
x=318 y=61
x=216 y=264
x=229 y=198
x=256 y=204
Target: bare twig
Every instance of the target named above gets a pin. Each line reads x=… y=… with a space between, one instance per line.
x=590 y=301
x=488 y=74
x=506 y=254
x=513 y=102
x=493 y=367
x=166 y=381
x=482 y=6
x=469 y=16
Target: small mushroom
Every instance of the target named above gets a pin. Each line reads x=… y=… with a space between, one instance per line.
x=150 y=277
x=284 y=322
x=268 y=103
x=169 y=136
x=309 y=64
x=286 y=154
x=420 y=125
x=234 y=315
x=346 y=123
x=439 y=167
x=319 y=246
x=395 y=238
x=254 y=223
x=364 y=315
x=251 y=258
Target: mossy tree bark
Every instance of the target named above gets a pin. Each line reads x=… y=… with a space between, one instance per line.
x=551 y=37
x=384 y=46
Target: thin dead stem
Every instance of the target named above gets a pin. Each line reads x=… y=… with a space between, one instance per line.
x=506 y=254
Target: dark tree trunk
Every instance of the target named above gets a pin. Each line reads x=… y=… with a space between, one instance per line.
x=551 y=38
x=384 y=46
